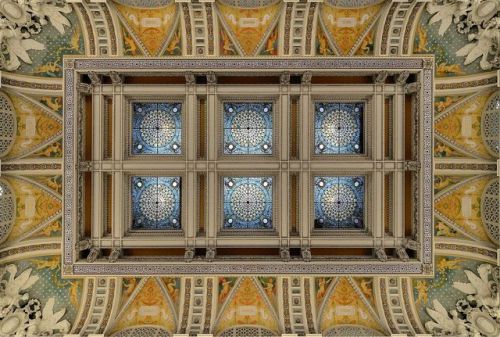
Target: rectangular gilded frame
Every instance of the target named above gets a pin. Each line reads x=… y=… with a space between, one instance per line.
x=422 y=166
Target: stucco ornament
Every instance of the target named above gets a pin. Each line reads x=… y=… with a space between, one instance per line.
x=479 y=19
x=477 y=315
x=21 y=315
x=20 y=20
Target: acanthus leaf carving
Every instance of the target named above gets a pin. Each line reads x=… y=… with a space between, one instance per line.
x=20 y=20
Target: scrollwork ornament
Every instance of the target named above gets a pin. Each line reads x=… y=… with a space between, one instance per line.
x=211 y=78
x=190 y=78
x=285 y=254
x=20 y=20
x=189 y=254
x=306 y=254
x=402 y=77
x=84 y=244
x=380 y=77
x=115 y=255
x=210 y=254
x=307 y=78
x=116 y=78
x=479 y=20
x=23 y=315
x=401 y=252
x=285 y=78
x=381 y=255
x=93 y=254
x=475 y=315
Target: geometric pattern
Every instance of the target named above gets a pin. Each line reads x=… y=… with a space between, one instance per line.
x=248 y=128
x=338 y=128
x=248 y=202
x=156 y=128
x=338 y=202
x=156 y=203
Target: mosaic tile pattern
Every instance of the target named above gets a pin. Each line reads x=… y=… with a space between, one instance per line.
x=338 y=128
x=248 y=128
x=156 y=128
x=156 y=203
x=248 y=202
x=338 y=202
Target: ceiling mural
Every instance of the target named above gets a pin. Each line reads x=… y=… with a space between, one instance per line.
x=460 y=300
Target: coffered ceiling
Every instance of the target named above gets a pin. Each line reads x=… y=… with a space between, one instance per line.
x=461 y=296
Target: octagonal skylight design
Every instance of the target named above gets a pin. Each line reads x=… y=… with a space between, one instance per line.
x=156 y=203
x=248 y=128
x=338 y=202
x=156 y=128
x=248 y=202
x=338 y=128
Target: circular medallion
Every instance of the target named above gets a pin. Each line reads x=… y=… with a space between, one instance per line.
x=248 y=202
x=338 y=202
x=157 y=202
x=339 y=128
x=157 y=129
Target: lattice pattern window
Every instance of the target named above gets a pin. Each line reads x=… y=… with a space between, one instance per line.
x=7 y=209
x=338 y=202
x=248 y=128
x=156 y=203
x=156 y=128
x=338 y=128
x=248 y=202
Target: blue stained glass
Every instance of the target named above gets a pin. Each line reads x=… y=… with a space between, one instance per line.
x=248 y=128
x=156 y=203
x=338 y=202
x=338 y=128
x=248 y=202
x=156 y=128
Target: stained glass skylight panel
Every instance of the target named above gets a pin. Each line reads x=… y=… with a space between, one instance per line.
x=156 y=128
x=156 y=203
x=248 y=202
x=248 y=128
x=338 y=128
x=338 y=202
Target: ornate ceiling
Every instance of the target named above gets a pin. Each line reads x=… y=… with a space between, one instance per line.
x=462 y=298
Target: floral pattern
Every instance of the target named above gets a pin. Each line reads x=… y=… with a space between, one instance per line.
x=21 y=315
x=479 y=20
x=478 y=314
x=20 y=20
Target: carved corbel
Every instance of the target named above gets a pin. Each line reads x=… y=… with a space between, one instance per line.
x=285 y=254
x=380 y=77
x=95 y=79
x=190 y=78
x=115 y=254
x=189 y=254
x=285 y=78
x=403 y=256
x=116 y=78
x=381 y=255
x=85 y=88
x=306 y=254
x=211 y=78
x=210 y=254
x=411 y=88
x=83 y=244
x=94 y=254
x=402 y=77
x=306 y=78
x=410 y=244
x=411 y=165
